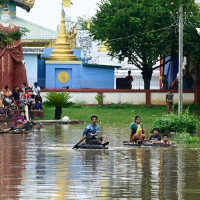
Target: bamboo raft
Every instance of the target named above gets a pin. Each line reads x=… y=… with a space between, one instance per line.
x=90 y=146
x=146 y=143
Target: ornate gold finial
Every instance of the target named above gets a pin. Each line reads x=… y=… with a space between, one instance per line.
x=88 y=24
x=62 y=49
x=103 y=47
x=67 y=3
x=29 y=3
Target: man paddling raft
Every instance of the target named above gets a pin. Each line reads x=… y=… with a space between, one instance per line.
x=91 y=131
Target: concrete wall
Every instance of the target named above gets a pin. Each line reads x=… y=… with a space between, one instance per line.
x=135 y=97
x=125 y=97
x=160 y=98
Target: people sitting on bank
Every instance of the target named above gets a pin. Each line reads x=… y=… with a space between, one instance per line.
x=136 y=131
x=170 y=101
x=130 y=79
x=26 y=99
x=36 y=90
x=22 y=118
x=6 y=92
x=7 y=95
x=91 y=132
x=165 y=139
x=16 y=99
x=164 y=82
x=2 y=110
x=155 y=138
x=38 y=102
x=23 y=87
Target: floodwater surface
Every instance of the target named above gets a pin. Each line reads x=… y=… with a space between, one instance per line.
x=43 y=165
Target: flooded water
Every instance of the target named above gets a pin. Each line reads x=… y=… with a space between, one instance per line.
x=43 y=165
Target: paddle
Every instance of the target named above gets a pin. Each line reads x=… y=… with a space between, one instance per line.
x=79 y=142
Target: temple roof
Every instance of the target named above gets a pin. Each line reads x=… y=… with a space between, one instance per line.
x=37 y=32
x=25 y=4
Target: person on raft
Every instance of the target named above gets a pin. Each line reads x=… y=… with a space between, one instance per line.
x=136 y=131
x=165 y=139
x=22 y=118
x=155 y=138
x=91 y=131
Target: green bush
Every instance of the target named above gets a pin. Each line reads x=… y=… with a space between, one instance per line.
x=177 y=123
x=99 y=99
x=77 y=105
x=185 y=138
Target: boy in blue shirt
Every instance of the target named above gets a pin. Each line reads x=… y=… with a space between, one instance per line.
x=91 y=131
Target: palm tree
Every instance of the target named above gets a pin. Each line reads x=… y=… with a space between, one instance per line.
x=58 y=100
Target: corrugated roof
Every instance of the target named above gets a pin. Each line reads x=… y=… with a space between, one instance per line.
x=37 y=32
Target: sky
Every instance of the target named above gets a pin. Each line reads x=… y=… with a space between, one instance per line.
x=48 y=12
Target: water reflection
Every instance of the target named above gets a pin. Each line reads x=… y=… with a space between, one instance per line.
x=42 y=165
x=12 y=161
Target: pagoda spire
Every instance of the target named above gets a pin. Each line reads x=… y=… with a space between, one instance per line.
x=62 y=49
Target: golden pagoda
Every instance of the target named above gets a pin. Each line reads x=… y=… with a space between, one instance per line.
x=103 y=47
x=62 y=51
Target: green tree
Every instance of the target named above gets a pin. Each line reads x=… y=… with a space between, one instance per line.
x=7 y=37
x=4 y=2
x=142 y=30
x=58 y=100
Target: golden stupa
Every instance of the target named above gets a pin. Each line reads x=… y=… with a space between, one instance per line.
x=103 y=47
x=62 y=51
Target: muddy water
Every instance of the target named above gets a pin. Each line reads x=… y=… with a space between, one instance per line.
x=42 y=165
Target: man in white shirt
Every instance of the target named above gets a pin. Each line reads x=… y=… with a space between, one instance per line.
x=36 y=89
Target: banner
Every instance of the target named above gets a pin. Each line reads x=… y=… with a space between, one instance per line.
x=67 y=3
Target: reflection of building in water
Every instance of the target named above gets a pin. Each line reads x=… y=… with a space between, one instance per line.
x=35 y=173
x=12 y=157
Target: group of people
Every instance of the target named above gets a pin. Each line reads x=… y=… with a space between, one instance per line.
x=137 y=133
x=17 y=99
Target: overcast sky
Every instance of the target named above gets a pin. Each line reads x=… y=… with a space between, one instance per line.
x=48 y=12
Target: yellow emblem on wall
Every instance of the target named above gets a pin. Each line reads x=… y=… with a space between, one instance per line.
x=63 y=77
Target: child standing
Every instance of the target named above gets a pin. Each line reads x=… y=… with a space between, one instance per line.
x=38 y=102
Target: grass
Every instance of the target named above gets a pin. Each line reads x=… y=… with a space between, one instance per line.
x=122 y=114
x=186 y=138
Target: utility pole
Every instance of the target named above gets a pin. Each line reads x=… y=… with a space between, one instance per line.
x=180 y=82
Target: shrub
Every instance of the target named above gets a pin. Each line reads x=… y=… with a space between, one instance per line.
x=77 y=105
x=58 y=100
x=99 y=99
x=183 y=122
x=185 y=138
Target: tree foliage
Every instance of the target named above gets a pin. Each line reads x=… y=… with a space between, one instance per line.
x=143 y=30
x=4 y=2
x=177 y=123
x=58 y=100
x=6 y=37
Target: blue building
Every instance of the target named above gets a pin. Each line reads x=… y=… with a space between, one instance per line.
x=63 y=68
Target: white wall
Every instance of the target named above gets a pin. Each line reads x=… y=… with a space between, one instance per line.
x=125 y=97
x=31 y=68
x=135 y=98
x=160 y=98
